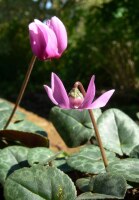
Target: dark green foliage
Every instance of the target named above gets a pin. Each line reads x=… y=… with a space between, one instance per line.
x=74 y=126
x=109 y=184
x=89 y=160
x=118 y=131
x=11 y=159
x=102 y=186
x=39 y=183
x=129 y=168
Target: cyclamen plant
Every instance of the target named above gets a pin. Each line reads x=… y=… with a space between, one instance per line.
x=40 y=173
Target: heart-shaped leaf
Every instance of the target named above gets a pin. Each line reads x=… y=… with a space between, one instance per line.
x=74 y=126
x=103 y=184
x=22 y=131
x=89 y=160
x=39 y=183
x=19 y=121
x=109 y=184
x=129 y=168
x=27 y=138
x=11 y=159
x=90 y=195
x=119 y=133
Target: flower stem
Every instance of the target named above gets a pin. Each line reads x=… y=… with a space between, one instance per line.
x=22 y=90
x=105 y=161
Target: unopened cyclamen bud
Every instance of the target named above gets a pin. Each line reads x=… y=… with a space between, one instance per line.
x=76 y=98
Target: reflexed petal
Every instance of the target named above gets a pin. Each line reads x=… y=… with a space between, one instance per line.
x=37 y=40
x=50 y=94
x=102 y=100
x=60 y=31
x=90 y=94
x=59 y=92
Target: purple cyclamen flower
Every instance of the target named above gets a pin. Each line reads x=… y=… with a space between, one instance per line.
x=48 y=40
x=58 y=95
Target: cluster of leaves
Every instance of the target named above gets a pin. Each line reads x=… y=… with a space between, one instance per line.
x=120 y=137
x=30 y=170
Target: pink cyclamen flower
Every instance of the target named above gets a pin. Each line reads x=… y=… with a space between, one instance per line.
x=58 y=95
x=48 y=40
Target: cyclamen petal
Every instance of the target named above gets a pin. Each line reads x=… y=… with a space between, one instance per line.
x=51 y=46
x=102 y=100
x=50 y=94
x=90 y=94
x=58 y=27
x=59 y=91
x=37 y=40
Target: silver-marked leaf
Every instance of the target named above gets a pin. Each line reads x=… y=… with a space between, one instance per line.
x=89 y=160
x=11 y=159
x=119 y=133
x=110 y=184
x=90 y=195
x=39 y=183
x=129 y=168
x=74 y=126
x=19 y=122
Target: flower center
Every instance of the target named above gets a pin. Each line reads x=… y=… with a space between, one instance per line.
x=75 y=97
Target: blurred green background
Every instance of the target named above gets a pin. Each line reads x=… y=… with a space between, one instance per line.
x=103 y=39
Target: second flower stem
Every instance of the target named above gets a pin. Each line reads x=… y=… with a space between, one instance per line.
x=102 y=150
x=105 y=161
x=22 y=90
